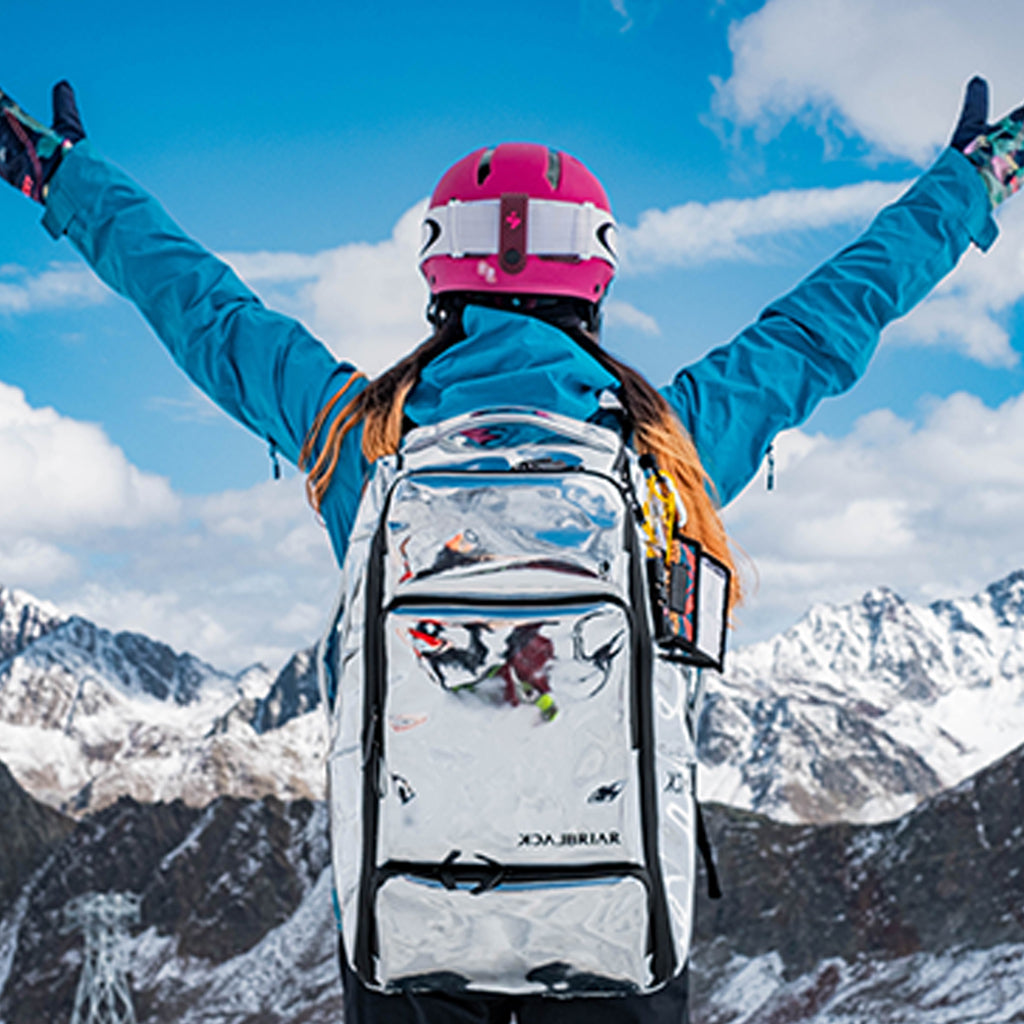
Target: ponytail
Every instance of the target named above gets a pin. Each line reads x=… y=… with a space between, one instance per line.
x=380 y=407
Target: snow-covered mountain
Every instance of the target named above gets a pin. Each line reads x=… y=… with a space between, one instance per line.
x=858 y=712
x=23 y=619
x=87 y=716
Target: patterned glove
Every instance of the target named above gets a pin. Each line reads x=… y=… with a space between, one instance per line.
x=997 y=150
x=29 y=151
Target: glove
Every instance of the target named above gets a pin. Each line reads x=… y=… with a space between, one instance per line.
x=996 y=150
x=29 y=151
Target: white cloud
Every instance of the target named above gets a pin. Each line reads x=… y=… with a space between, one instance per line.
x=365 y=300
x=233 y=577
x=937 y=508
x=695 y=233
x=60 y=284
x=618 y=16
x=272 y=514
x=63 y=478
x=891 y=73
x=962 y=312
x=33 y=563
x=248 y=575
x=622 y=314
x=239 y=577
x=236 y=577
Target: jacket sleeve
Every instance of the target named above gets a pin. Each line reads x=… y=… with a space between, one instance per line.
x=817 y=340
x=264 y=369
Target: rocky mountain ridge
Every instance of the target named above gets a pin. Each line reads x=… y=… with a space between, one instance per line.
x=858 y=712
x=917 y=920
x=23 y=619
x=88 y=715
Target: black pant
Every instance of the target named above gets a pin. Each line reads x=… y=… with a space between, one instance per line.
x=364 y=1006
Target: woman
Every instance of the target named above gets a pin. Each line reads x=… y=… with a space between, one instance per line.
x=515 y=317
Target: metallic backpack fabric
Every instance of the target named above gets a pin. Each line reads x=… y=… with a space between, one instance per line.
x=512 y=755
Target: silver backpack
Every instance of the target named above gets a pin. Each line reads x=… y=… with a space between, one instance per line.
x=512 y=677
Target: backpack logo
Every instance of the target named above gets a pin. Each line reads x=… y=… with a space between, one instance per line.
x=570 y=839
x=607 y=793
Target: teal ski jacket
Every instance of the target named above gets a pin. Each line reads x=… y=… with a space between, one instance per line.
x=266 y=370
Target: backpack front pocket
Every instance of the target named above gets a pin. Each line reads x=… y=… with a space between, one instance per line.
x=535 y=929
x=506 y=732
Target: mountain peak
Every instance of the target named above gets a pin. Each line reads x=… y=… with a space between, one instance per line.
x=881 y=602
x=861 y=710
x=1007 y=597
x=23 y=619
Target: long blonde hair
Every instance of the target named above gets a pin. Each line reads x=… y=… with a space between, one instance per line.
x=380 y=407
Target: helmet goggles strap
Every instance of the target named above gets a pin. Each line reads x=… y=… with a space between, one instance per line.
x=495 y=227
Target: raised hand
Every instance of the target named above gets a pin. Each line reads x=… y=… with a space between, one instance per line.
x=997 y=150
x=29 y=151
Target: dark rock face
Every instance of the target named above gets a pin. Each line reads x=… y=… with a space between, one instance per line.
x=949 y=875
x=244 y=873
x=116 y=850
x=847 y=915
x=31 y=831
x=295 y=691
x=137 y=661
x=163 y=672
x=216 y=880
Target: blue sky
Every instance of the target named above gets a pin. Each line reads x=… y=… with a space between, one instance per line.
x=740 y=142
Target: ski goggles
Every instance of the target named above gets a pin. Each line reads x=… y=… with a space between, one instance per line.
x=554 y=229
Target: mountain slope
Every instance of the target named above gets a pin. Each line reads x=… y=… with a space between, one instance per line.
x=917 y=921
x=31 y=831
x=860 y=711
x=214 y=883
x=856 y=922
x=87 y=715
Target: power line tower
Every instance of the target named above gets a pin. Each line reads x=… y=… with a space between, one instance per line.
x=103 y=995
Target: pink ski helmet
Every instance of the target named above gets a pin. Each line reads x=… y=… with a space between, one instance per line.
x=519 y=218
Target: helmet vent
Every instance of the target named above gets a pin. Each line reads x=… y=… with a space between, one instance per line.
x=554 y=168
x=483 y=168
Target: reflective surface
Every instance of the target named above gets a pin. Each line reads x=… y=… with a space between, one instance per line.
x=509 y=736
x=530 y=940
x=465 y=527
x=499 y=842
